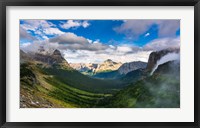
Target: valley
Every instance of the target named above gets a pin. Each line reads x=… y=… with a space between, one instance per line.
x=47 y=80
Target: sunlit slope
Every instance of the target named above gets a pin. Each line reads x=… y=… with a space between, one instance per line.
x=39 y=89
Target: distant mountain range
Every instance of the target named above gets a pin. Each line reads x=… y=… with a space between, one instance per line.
x=108 y=69
x=92 y=69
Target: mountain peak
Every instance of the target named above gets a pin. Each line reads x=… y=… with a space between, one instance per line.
x=57 y=52
x=108 y=60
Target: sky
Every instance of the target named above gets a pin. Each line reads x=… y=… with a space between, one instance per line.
x=94 y=41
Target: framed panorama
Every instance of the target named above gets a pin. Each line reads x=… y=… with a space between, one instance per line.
x=99 y=63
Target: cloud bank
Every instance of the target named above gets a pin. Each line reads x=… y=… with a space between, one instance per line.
x=134 y=28
x=78 y=49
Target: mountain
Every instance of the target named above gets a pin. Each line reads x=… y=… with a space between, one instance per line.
x=161 y=90
x=155 y=56
x=92 y=69
x=133 y=76
x=108 y=69
x=51 y=59
x=87 y=69
x=128 y=67
x=108 y=65
x=174 y=67
x=47 y=80
x=126 y=71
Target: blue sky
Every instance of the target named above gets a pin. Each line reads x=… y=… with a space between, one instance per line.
x=114 y=38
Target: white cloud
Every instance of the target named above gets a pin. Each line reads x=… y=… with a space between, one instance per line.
x=52 y=31
x=70 y=24
x=82 y=56
x=123 y=49
x=85 y=24
x=45 y=37
x=74 y=24
x=35 y=24
x=96 y=41
x=90 y=41
x=24 y=45
x=147 y=34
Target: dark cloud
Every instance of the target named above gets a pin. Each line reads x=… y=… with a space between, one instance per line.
x=134 y=28
x=74 y=42
x=168 y=27
x=69 y=38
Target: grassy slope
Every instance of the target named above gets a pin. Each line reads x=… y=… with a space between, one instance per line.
x=40 y=88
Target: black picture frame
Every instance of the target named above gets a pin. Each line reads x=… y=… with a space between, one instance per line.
x=5 y=3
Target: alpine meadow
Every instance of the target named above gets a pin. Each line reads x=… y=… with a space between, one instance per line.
x=127 y=63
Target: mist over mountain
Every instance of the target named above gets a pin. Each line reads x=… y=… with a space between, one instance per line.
x=161 y=90
x=155 y=56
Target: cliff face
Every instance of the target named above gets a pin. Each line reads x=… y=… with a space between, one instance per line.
x=51 y=59
x=128 y=67
x=155 y=56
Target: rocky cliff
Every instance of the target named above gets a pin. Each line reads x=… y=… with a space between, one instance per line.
x=155 y=56
x=128 y=67
x=52 y=59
